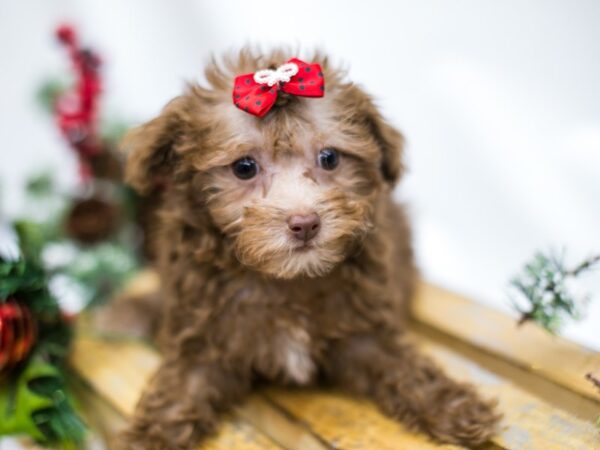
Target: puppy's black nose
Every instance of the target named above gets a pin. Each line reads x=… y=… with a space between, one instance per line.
x=304 y=227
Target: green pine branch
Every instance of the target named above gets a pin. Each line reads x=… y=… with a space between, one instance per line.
x=34 y=399
x=543 y=292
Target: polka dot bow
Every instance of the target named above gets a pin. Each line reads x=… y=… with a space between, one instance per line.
x=256 y=92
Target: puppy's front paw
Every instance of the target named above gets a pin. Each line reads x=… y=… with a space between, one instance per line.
x=132 y=440
x=156 y=437
x=462 y=417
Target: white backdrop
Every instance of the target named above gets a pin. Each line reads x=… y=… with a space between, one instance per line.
x=499 y=101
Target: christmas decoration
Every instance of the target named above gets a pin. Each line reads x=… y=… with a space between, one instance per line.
x=256 y=93
x=544 y=291
x=99 y=271
x=77 y=249
x=92 y=220
x=77 y=114
x=87 y=239
x=33 y=398
x=17 y=333
x=76 y=109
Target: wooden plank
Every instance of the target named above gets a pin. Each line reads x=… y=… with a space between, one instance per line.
x=118 y=371
x=528 y=346
x=529 y=423
x=235 y=433
x=346 y=422
x=281 y=428
x=103 y=420
x=552 y=393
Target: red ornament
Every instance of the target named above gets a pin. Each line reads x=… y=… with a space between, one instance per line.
x=17 y=334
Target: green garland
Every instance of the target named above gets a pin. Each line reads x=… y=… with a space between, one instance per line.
x=34 y=399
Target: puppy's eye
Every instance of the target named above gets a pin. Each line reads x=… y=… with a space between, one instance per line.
x=329 y=158
x=245 y=168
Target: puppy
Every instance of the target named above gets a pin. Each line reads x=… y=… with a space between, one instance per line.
x=282 y=255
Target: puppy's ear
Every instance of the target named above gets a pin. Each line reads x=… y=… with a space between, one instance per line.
x=390 y=141
x=360 y=106
x=150 y=148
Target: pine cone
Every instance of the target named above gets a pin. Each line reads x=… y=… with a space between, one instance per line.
x=92 y=220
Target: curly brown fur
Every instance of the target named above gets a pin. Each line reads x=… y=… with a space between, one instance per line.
x=243 y=301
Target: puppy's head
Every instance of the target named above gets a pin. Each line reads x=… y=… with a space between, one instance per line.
x=292 y=193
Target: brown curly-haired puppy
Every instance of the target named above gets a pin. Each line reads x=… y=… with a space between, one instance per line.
x=283 y=257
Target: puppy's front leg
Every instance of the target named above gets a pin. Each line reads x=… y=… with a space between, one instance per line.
x=181 y=405
x=410 y=387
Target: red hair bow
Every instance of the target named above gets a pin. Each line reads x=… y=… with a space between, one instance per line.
x=256 y=92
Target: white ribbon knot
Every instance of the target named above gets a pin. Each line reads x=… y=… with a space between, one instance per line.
x=281 y=75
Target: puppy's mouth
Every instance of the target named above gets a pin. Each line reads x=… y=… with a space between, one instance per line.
x=304 y=247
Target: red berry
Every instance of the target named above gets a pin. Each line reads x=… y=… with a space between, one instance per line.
x=66 y=34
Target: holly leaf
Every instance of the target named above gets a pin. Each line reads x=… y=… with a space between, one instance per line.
x=18 y=403
x=35 y=404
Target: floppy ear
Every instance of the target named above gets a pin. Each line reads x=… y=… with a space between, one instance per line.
x=391 y=143
x=150 y=149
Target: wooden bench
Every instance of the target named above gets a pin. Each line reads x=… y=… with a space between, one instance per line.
x=539 y=380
